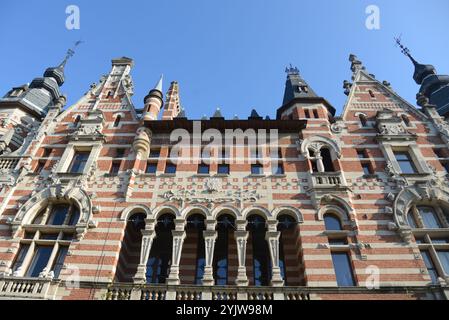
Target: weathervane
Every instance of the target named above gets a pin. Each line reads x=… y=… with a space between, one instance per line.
x=70 y=53
x=404 y=49
x=291 y=70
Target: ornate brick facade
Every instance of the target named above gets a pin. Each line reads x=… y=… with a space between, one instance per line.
x=91 y=207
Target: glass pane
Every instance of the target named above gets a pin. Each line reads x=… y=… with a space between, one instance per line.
x=405 y=163
x=331 y=222
x=49 y=236
x=223 y=169
x=20 y=256
x=444 y=259
x=203 y=169
x=430 y=266
x=170 y=168
x=343 y=269
x=79 y=162
x=75 y=216
x=429 y=217
x=256 y=169
x=411 y=220
x=58 y=215
x=279 y=169
x=59 y=261
x=39 y=261
x=151 y=168
x=366 y=169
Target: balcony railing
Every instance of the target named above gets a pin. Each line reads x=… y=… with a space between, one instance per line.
x=8 y=164
x=26 y=288
x=327 y=179
x=32 y=288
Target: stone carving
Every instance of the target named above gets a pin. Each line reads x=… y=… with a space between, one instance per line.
x=212 y=184
x=392 y=129
x=217 y=197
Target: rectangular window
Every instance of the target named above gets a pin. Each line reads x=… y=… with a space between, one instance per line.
x=430 y=266
x=443 y=255
x=151 y=168
x=79 y=161
x=338 y=242
x=256 y=169
x=20 y=256
x=40 y=260
x=115 y=167
x=315 y=113
x=343 y=269
x=278 y=169
x=223 y=169
x=203 y=168
x=170 y=168
x=405 y=162
x=307 y=113
x=59 y=261
x=367 y=169
x=154 y=153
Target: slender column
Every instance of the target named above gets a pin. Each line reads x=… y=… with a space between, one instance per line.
x=148 y=235
x=319 y=162
x=210 y=236
x=272 y=237
x=179 y=235
x=241 y=237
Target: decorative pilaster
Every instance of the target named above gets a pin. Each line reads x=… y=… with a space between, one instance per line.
x=241 y=237
x=272 y=237
x=210 y=236
x=179 y=235
x=148 y=235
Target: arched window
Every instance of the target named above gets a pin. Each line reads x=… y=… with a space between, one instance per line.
x=117 y=121
x=131 y=246
x=260 y=253
x=109 y=95
x=371 y=93
x=327 y=160
x=225 y=229
x=363 y=120
x=159 y=260
x=195 y=241
x=411 y=220
x=286 y=225
x=46 y=240
x=332 y=222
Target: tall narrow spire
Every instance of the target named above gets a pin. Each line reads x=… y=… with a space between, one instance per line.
x=172 y=102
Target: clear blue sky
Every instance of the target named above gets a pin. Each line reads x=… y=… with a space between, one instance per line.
x=227 y=53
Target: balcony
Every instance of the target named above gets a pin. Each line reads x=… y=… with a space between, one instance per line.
x=327 y=180
x=27 y=288
x=40 y=289
x=8 y=163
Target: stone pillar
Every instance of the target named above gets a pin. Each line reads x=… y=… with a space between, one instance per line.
x=272 y=237
x=210 y=235
x=179 y=235
x=319 y=162
x=148 y=235
x=241 y=237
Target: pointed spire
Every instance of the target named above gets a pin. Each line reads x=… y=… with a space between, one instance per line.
x=158 y=85
x=69 y=54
